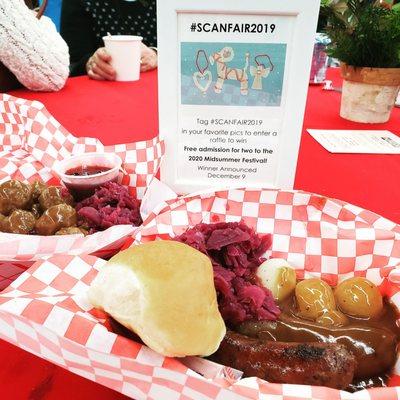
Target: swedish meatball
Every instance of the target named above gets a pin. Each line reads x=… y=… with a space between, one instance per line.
x=55 y=218
x=37 y=189
x=14 y=195
x=53 y=196
x=36 y=210
x=70 y=231
x=20 y=221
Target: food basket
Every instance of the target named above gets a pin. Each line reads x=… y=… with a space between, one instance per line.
x=31 y=142
x=46 y=311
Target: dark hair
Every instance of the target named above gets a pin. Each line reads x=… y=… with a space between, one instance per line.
x=32 y=3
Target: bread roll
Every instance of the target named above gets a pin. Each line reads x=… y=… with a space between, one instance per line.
x=164 y=292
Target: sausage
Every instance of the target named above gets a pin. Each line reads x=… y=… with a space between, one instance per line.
x=320 y=364
x=373 y=347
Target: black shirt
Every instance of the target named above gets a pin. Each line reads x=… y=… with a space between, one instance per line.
x=85 y=22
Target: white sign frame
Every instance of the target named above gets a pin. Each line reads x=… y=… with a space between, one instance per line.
x=297 y=70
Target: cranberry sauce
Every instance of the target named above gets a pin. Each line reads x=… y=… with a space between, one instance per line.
x=87 y=170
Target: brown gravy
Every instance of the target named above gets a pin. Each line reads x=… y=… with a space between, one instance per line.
x=372 y=341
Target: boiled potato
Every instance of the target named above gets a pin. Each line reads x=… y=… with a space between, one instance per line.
x=278 y=276
x=314 y=297
x=359 y=297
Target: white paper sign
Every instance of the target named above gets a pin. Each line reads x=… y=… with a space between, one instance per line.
x=233 y=80
x=363 y=141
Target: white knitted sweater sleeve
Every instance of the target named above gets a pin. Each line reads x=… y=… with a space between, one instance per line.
x=32 y=49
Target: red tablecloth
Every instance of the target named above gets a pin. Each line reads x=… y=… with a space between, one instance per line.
x=124 y=112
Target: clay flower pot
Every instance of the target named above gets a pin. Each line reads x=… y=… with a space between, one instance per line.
x=368 y=94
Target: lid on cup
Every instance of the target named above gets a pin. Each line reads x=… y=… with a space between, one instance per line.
x=123 y=38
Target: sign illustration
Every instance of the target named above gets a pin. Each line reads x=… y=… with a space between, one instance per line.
x=224 y=72
x=260 y=71
x=202 y=77
x=240 y=74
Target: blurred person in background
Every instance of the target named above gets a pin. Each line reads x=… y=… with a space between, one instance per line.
x=85 y=22
x=31 y=50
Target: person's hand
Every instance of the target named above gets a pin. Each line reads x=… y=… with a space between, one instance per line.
x=149 y=58
x=98 y=66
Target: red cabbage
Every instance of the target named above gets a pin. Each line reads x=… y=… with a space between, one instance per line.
x=235 y=251
x=110 y=205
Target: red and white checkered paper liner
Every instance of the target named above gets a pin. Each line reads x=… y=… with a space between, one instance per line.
x=31 y=141
x=45 y=311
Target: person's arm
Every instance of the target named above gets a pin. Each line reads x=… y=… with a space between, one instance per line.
x=77 y=31
x=32 y=49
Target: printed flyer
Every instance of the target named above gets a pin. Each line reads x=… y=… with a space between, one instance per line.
x=232 y=85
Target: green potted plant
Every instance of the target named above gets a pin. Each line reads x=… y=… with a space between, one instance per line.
x=365 y=37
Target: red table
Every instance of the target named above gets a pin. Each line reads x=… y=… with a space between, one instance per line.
x=125 y=112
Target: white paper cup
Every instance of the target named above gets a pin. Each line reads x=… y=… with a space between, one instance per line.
x=125 y=56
